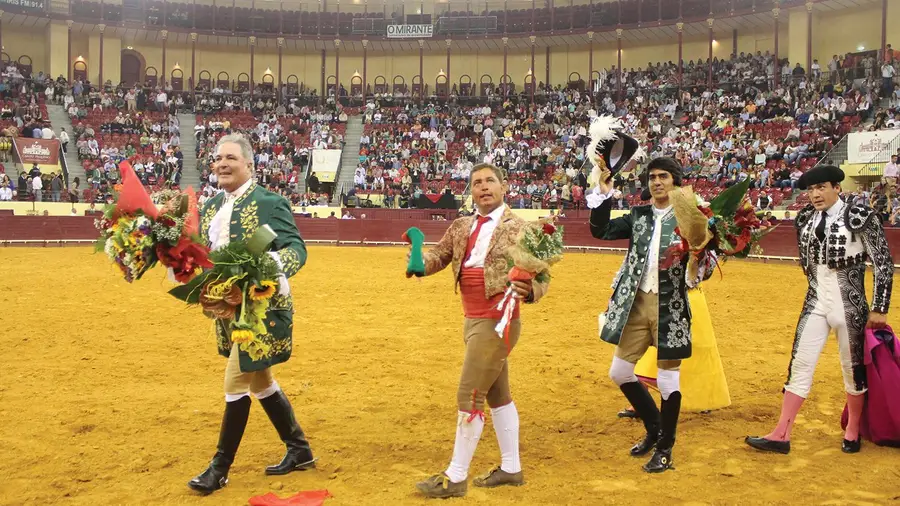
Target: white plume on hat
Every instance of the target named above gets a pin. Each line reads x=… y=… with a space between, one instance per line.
x=603 y=129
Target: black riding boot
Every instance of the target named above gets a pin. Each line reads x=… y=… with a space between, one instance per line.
x=662 y=457
x=233 y=424
x=299 y=456
x=645 y=407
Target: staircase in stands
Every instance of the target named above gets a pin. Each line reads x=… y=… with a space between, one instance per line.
x=349 y=158
x=59 y=119
x=190 y=172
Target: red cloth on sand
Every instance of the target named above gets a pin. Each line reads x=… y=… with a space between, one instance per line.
x=309 y=498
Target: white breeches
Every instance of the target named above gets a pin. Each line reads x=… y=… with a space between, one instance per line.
x=827 y=315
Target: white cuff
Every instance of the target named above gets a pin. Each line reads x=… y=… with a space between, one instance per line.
x=284 y=288
x=595 y=198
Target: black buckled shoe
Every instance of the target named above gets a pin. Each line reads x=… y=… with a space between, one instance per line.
x=299 y=456
x=660 y=461
x=234 y=421
x=662 y=456
x=645 y=409
x=644 y=446
x=627 y=413
x=768 y=445
x=209 y=481
x=851 y=446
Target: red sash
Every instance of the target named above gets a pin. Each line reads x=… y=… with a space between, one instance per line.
x=475 y=305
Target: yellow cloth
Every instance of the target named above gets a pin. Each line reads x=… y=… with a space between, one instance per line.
x=703 y=385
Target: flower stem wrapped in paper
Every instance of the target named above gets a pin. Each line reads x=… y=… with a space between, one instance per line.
x=728 y=226
x=538 y=246
x=242 y=280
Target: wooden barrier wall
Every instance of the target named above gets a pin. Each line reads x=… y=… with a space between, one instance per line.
x=781 y=242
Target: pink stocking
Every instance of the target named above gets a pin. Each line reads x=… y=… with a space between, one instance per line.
x=855 y=405
x=789 y=409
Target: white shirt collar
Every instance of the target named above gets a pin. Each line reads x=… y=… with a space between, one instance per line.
x=496 y=213
x=835 y=210
x=240 y=191
x=657 y=212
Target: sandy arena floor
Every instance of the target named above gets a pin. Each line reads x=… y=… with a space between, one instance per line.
x=111 y=393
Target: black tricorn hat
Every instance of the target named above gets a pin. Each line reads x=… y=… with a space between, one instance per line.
x=820 y=174
x=608 y=142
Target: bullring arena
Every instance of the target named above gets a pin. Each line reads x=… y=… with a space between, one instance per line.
x=375 y=111
x=114 y=399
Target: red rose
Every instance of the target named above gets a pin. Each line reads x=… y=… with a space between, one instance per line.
x=184 y=258
x=549 y=228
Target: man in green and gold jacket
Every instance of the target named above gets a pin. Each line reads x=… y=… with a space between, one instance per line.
x=649 y=305
x=235 y=215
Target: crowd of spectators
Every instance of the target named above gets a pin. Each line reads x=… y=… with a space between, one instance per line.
x=749 y=129
x=282 y=142
x=750 y=125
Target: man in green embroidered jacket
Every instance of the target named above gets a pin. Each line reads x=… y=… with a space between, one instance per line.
x=235 y=215
x=649 y=305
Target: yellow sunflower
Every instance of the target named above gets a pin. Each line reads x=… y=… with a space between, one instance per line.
x=242 y=336
x=263 y=291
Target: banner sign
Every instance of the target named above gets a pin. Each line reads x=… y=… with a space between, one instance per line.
x=325 y=163
x=39 y=151
x=410 y=31
x=870 y=147
x=25 y=4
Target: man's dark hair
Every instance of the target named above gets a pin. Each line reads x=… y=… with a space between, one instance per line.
x=667 y=164
x=500 y=173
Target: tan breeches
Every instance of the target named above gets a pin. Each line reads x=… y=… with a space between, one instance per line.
x=239 y=383
x=641 y=331
x=485 y=371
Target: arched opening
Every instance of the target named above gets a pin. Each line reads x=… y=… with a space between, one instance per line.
x=133 y=65
x=293 y=85
x=25 y=66
x=151 y=77
x=399 y=84
x=243 y=82
x=223 y=80
x=79 y=71
x=465 y=85
x=177 y=80
x=417 y=90
x=204 y=80
x=487 y=83
x=381 y=86
x=576 y=82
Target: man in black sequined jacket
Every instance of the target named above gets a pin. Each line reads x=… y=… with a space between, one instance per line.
x=835 y=240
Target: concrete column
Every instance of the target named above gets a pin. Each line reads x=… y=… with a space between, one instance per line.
x=252 y=41
x=194 y=66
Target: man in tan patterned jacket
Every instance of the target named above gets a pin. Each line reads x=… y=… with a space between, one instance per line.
x=476 y=247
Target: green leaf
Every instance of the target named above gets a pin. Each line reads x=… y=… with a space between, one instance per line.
x=190 y=291
x=727 y=202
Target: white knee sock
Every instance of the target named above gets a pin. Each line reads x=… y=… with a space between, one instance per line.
x=668 y=382
x=506 y=425
x=268 y=391
x=622 y=371
x=467 y=436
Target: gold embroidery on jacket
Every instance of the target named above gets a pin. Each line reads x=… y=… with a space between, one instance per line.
x=290 y=260
x=249 y=219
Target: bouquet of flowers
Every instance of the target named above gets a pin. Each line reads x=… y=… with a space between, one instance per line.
x=728 y=226
x=177 y=232
x=538 y=246
x=136 y=235
x=242 y=280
